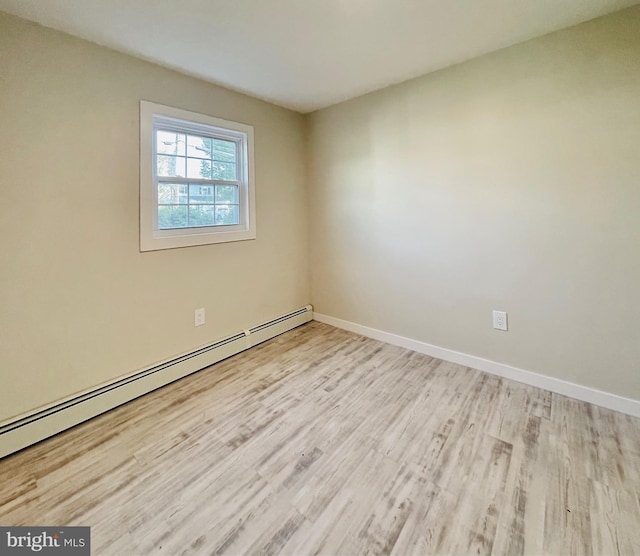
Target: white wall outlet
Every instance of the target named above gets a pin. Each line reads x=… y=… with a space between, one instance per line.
x=199 y=317
x=500 y=320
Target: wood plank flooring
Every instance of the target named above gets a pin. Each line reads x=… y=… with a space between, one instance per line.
x=321 y=441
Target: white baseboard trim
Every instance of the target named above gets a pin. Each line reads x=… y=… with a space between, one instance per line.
x=34 y=426
x=584 y=393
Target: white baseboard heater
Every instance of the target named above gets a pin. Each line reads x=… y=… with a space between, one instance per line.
x=35 y=426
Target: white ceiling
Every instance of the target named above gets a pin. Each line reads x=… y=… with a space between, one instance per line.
x=308 y=54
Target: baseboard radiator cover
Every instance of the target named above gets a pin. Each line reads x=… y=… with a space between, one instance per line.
x=42 y=423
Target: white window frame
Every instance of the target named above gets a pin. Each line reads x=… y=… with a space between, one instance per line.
x=151 y=237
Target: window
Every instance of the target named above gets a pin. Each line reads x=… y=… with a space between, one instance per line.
x=196 y=179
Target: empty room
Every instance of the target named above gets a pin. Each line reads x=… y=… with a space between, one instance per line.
x=305 y=277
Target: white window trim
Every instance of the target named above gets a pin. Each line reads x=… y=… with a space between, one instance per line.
x=151 y=238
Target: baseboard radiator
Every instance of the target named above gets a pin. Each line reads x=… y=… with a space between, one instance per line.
x=35 y=426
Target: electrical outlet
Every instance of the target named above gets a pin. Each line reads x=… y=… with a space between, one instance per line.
x=500 y=320
x=199 y=317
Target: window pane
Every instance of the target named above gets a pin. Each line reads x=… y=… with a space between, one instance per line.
x=224 y=151
x=198 y=168
x=201 y=215
x=201 y=194
x=172 y=194
x=227 y=194
x=168 y=142
x=172 y=217
x=199 y=147
x=226 y=215
x=170 y=166
x=224 y=171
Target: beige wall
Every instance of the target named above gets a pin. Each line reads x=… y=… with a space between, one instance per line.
x=510 y=182
x=80 y=304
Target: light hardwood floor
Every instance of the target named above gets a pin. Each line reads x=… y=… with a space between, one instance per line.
x=322 y=441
